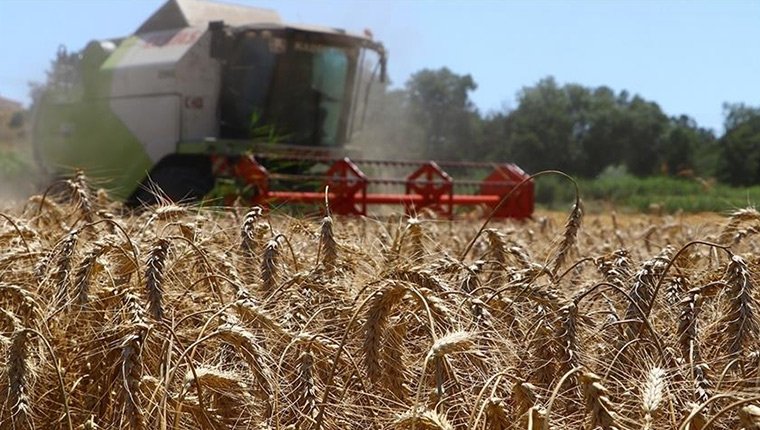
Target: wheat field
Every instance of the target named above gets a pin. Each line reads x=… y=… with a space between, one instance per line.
x=181 y=317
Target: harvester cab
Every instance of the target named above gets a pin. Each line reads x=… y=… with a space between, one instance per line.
x=206 y=92
x=292 y=80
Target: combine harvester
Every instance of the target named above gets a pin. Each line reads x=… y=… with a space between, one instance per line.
x=206 y=92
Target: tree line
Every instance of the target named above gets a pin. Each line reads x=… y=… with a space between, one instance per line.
x=577 y=129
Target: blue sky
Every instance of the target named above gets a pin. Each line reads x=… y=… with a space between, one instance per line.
x=688 y=56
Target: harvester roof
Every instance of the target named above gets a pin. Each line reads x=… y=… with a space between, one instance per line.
x=176 y=14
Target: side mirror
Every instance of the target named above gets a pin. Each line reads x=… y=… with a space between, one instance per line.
x=221 y=40
x=383 y=69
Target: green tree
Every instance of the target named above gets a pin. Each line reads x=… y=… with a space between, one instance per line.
x=582 y=130
x=641 y=136
x=740 y=145
x=440 y=105
x=603 y=128
x=494 y=142
x=541 y=127
x=688 y=147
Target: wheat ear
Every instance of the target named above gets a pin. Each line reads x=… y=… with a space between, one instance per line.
x=269 y=265
x=380 y=306
x=471 y=280
x=18 y=378
x=81 y=192
x=248 y=237
x=450 y=343
x=168 y=212
x=736 y=218
x=327 y=246
x=527 y=407
x=454 y=342
x=569 y=236
x=130 y=362
x=642 y=290
x=601 y=412
x=497 y=251
x=616 y=268
x=251 y=313
x=63 y=267
x=567 y=338
x=248 y=346
x=741 y=325
x=422 y=419
x=414 y=231
x=749 y=417
x=86 y=270
x=496 y=415
x=306 y=391
x=154 y=275
x=652 y=395
x=392 y=357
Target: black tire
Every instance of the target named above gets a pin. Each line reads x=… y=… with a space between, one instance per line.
x=181 y=179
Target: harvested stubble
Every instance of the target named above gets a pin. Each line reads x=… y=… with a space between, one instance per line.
x=187 y=318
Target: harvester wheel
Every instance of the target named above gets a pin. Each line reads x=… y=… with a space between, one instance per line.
x=176 y=178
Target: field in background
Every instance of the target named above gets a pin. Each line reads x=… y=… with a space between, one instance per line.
x=657 y=194
x=187 y=318
x=611 y=191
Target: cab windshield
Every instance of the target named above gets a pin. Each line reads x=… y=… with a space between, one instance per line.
x=288 y=86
